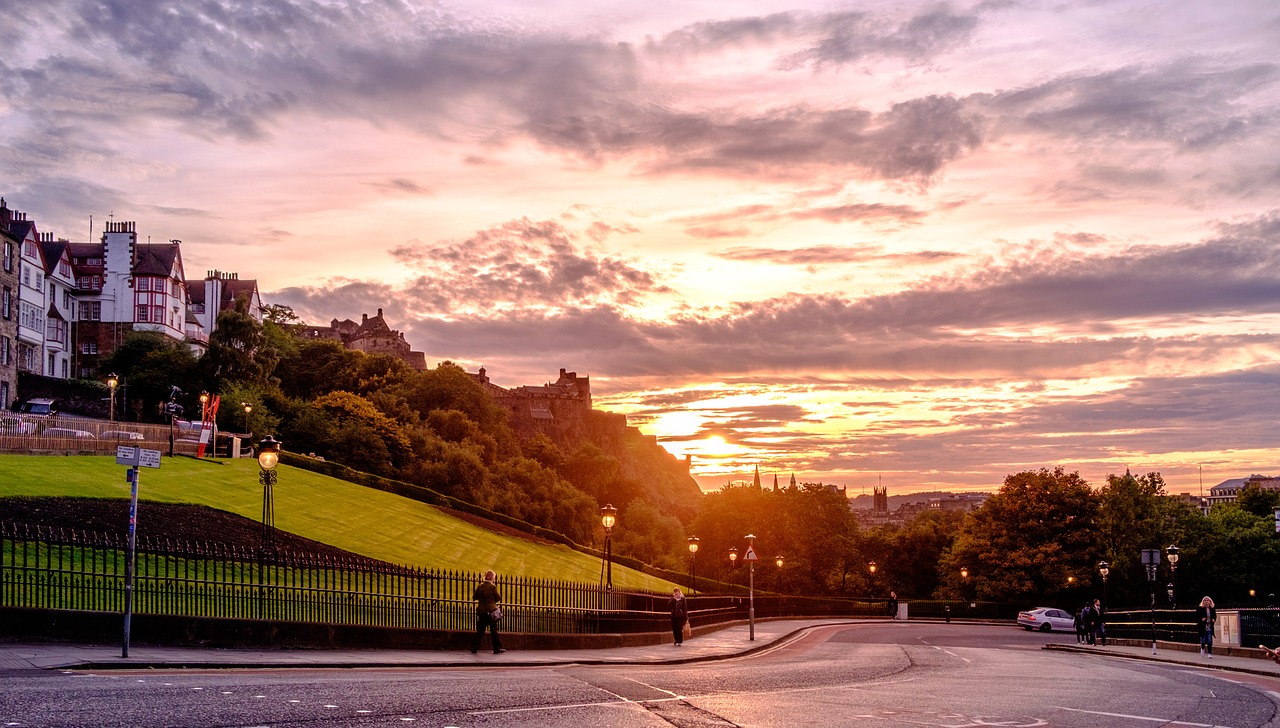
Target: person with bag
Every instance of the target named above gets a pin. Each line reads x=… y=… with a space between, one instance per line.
x=487 y=613
x=1206 y=614
x=679 y=616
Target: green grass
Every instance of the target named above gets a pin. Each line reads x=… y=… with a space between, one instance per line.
x=351 y=517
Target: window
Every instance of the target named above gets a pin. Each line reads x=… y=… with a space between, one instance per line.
x=40 y=282
x=8 y=263
x=29 y=250
x=142 y=284
x=6 y=356
x=88 y=346
x=55 y=330
x=66 y=369
x=173 y=289
x=66 y=301
x=4 y=390
x=90 y=311
x=26 y=275
x=82 y=282
x=6 y=304
x=142 y=313
x=64 y=268
x=53 y=361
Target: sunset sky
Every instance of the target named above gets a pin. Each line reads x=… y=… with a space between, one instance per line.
x=923 y=244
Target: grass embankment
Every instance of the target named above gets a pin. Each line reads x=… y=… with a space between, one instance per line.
x=345 y=515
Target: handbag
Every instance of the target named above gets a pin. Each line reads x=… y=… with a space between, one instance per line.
x=496 y=614
x=687 y=630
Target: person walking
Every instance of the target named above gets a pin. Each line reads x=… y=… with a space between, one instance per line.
x=679 y=615
x=1099 y=627
x=1206 y=615
x=487 y=613
x=893 y=604
x=1080 y=625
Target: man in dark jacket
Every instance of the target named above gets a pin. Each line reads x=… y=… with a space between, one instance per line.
x=487 y=599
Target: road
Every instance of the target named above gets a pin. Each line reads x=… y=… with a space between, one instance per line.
x=893 y=675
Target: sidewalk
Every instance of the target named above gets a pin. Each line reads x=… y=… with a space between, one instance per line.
x=1170 y=655
x=718 y=645
x=722 y=644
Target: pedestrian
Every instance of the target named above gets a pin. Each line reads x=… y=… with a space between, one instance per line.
x=679 y=615
x=1206 y=615
x=893 y=604
x=487 y=613
x=1086 y=622
x=1079 y=624
x=1099 y=628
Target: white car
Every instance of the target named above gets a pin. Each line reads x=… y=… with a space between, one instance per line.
x=1047 y=619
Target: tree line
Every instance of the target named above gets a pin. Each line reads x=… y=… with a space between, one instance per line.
x=1037 y=540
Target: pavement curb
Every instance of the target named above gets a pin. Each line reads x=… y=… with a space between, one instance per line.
x=1103 y=651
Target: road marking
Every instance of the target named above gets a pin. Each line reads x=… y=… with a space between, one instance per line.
x=653 y=687
x=1166 y=721
x=623 y=702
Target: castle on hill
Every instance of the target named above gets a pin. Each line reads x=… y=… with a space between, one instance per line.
x=371 y=336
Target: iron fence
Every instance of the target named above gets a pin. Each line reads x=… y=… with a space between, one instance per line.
x=46 y=568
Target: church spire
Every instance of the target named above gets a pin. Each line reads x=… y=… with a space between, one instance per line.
x=757 y=482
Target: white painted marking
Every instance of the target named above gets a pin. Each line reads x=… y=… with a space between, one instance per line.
x=1166 y=721
x=259 y=696
x=197 y=688
x=619 y=704
x=227 y=692
x=330 y=706
x=654 y=687
x=295 y=701
x=406 y=719
x=364 y=711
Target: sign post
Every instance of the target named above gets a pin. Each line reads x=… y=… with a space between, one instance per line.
x=133 y=457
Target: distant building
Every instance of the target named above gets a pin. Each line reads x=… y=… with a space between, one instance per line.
x=561 y=409
x=958 y=502
x=10 y=244
x=219 y=291
x=371 y=336
x=1228 y=490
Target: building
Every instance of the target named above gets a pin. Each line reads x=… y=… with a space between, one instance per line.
x=559 y=409
x=123 y=285
x=31 y=301
x=371 y=336
x=60 y=293
x=10 y=244
x=958 y=502
x=217 y=293
x=1227 y=490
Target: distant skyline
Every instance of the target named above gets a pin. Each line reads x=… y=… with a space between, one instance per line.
x=924 y=244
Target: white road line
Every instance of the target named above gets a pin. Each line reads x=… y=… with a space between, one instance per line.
x=654 y=687
x=1165 y=721
x=610 y=704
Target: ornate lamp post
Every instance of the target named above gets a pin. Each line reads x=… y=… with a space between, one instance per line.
x=778 y=561
x=751 y=588
x=247 y=409
x=1172 y=553
x=268 y=457
x=1151 y=560
x=608 y=518
x=112 y=382
x=693 y=565
x=204 y=406
x=1105 y=569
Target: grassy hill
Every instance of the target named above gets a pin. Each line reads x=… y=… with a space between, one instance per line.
x=345 y=515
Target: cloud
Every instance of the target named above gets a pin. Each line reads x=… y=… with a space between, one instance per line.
x=402 y=186
x=833 y=254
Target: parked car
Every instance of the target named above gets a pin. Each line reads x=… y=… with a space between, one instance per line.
x=120 y=435
x=1047 y=619
x=68 y=432
x=40 y=407
x=11 y=424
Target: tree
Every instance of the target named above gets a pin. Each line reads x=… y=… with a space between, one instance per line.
x=1259 y=501
x=237 y=349
x=1027 y=540
x=150 y=365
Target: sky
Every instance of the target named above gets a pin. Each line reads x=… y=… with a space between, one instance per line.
x=913 y=244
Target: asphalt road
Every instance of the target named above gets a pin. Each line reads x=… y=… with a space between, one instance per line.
x=897 y=675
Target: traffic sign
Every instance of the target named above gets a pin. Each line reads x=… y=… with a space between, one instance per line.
x=136 y=456
x=750 y=555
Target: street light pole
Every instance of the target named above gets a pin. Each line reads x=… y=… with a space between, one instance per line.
x=112 y=381
x=608 y=517
x=1172 y=552
x=1151 y=560
x=751 y=588
x=693 y=565
x=778 y=561
x=268 y=458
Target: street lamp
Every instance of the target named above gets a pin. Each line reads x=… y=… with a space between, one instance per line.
x=608 y=518
x=268 y=458
x=964 y=572
x=751 y=586
x=1105 y=569
x=693 y=565
x=1151 y=560
x=778 y=561
x=112 y=381
x=204 y=406
x=1172 y=553
x=247 y=409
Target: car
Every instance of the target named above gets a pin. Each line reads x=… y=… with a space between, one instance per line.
x=120 y=435
x=68 y=433
x=11 y=424
x=1047 y=619
x=40 y=407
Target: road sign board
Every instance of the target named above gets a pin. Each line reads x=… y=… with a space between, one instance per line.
x=149 y=458
x=126 y=455
x=750 y=555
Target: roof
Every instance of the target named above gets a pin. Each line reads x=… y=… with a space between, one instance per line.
x=52 y=251
x=156 y=259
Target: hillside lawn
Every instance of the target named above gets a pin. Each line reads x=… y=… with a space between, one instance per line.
x=342 y=514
